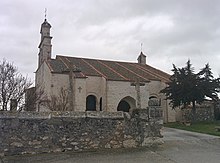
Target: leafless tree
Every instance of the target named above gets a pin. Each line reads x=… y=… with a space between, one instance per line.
x=60 y=102
x=12 y=85
x=32 y=96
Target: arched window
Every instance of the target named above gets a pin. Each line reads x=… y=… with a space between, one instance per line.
x=154 y=101
x=90 y=103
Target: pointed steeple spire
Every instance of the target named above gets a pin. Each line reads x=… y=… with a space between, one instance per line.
x=45 y=45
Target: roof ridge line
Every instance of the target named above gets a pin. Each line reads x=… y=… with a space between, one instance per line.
x=95 y=59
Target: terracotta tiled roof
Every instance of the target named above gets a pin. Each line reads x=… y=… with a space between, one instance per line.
x=111 y=70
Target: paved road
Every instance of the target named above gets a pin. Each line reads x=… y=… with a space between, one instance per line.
x=179 y=147
x=188 y=147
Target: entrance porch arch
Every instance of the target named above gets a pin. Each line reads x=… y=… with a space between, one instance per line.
x=126 y=104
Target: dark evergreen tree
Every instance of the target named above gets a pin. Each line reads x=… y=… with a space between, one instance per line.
x=186 y=87
x=208 y=85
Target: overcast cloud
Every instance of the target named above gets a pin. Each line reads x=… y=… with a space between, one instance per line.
x=172 y=31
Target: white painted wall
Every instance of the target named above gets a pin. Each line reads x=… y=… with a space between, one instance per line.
x=80 y=94
x=169 y=115
x=97 y=86
x=117 y=90
x=112 y=92
x=43 y=82
x=59 y=81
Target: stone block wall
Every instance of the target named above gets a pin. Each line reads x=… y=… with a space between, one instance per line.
x=203 y=113
x=32 y=132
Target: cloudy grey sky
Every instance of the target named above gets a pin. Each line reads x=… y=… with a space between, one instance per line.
x=172 y=31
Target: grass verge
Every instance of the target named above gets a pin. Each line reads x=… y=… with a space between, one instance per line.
x=201 y=127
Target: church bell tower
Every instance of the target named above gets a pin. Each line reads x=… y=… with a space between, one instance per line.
x=142 y=58
x=45 y=45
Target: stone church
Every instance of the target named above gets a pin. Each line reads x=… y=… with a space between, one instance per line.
x=98 y=85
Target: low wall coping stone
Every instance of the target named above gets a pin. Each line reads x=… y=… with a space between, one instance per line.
x=70 y=114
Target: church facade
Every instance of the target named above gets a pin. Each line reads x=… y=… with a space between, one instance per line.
x=83 y=84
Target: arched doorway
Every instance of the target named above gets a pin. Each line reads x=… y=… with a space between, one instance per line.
x=123 y=106
x=126 y=104
x=91 y=103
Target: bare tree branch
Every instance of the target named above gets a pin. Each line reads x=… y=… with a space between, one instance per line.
x=60 y=102
x=12 y=85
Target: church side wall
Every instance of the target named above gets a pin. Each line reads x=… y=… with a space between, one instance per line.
x=79 y=89
x=170 y=112
x=169 y=115
x=111 y=92
x=80 y=94
x=59 y=81
x=117 y=90
x=43 y=78
x=43 y=82
x=96 y=86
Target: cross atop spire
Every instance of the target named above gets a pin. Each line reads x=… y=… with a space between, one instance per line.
x=45 y=14
x=141 y=46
